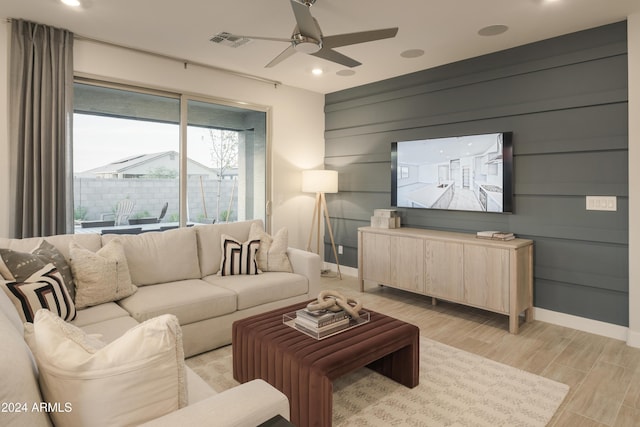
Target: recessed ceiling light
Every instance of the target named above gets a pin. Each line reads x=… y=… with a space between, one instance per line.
x=412 y=53
x=316 y=71
x=493 y=30
x=345 y=73
x=72 y=3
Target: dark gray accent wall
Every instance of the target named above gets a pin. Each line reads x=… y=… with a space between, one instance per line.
x=565 y=100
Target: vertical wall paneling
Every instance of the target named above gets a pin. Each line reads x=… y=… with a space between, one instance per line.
x=566 y=102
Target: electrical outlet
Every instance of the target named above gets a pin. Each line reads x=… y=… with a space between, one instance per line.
x=340 y=249
x=602 y=203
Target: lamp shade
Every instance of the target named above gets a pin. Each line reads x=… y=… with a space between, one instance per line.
x=320 y=181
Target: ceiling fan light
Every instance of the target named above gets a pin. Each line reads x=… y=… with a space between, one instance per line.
x=72 y=3
x=307 y=45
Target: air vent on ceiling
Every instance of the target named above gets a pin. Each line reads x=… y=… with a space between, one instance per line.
x=229 y=39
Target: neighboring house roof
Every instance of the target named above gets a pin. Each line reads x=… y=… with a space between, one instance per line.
x=136 y=165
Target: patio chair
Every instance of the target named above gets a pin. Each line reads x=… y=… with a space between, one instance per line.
x=150 y=219
x=163 y=212
x=122 y=213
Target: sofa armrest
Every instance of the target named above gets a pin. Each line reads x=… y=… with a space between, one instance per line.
x=309 y=265
x=248 y=404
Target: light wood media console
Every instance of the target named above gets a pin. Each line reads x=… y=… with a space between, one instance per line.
x=494 y=275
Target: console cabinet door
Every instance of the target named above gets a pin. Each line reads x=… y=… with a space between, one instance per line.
x=486 y=277
x=443 y=276
x=377 y=260
x=407 y=262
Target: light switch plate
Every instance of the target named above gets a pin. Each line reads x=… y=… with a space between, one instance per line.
x=602 y=203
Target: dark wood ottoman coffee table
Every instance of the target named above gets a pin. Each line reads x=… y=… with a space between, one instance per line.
x=304 y=368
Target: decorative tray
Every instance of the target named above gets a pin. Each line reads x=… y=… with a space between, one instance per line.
x=289 y=319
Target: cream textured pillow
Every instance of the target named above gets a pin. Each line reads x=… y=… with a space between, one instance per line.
x=136 y=378
x=272 y=254
x=102 y=276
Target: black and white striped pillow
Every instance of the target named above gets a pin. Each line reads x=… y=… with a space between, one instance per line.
x=238 y=258
x=43 y=289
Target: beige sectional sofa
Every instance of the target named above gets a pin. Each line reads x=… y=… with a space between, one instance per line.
x=175 y=272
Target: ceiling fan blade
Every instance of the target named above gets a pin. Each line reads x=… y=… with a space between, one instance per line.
x=333 y=56
x=360 y=37
x=281 y=57
x=273 y=39
x=306 y=24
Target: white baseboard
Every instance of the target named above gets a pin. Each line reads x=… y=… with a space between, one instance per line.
x=633 y=339
x=348 y=271
x=583 y=324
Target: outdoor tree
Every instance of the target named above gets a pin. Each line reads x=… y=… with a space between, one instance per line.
x=224 y=156
x=162 y=172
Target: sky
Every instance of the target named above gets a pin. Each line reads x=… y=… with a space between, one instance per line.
x=98 y=141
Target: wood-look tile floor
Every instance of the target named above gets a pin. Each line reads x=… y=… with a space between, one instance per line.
x=603 y=373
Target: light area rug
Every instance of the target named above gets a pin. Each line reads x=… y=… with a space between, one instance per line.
x=457 y=388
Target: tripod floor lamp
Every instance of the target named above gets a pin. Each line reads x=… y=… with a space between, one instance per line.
x=321 y=182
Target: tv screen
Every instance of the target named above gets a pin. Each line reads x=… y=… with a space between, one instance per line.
x=463 y=173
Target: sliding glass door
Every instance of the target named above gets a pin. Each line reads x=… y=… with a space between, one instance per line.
x=133 y=169
x=226 y=170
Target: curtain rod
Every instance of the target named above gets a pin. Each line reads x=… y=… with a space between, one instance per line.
x=186 y=62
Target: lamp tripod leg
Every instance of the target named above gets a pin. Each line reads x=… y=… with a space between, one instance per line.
x=333 y=245
x=316 y=211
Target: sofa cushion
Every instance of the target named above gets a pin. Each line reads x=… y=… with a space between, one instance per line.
x=238 y=257
x=19 y=383
x=141 y=374
x=272 y=253
x=209 y=236
x=99 y=313
x=43 y=289
x=189 y=300
x=102 y=276
x=160 y=257
x=198 y=388
x=264 y=288
x=112 y=329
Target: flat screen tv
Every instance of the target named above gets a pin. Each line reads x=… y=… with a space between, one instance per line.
x=462 y=173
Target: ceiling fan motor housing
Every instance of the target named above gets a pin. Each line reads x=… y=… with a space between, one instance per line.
x=305 y=44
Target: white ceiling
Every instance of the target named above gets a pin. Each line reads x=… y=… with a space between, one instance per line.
x=447 y=30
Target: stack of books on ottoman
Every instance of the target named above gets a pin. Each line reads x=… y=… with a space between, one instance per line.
x=321 y=323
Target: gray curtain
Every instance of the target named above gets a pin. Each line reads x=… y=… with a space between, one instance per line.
x=41 y=113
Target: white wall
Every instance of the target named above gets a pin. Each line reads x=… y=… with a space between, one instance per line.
x=634 y=179
x=297 y=120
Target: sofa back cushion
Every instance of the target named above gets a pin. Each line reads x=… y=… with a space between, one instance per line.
x=19 y=384
x=159 y=257
x=8 y=309
x=210 y=242
x=91 y=241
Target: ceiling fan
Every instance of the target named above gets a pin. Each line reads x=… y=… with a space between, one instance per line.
x=307 y=38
